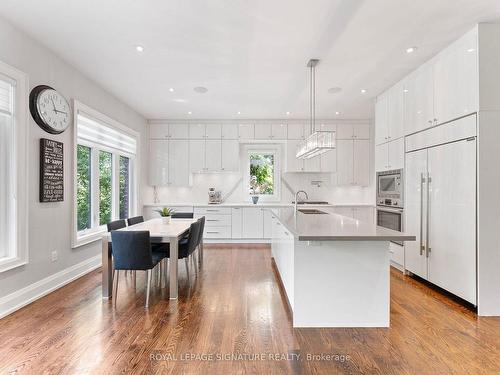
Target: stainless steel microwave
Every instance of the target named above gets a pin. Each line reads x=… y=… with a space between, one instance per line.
x=390 y=188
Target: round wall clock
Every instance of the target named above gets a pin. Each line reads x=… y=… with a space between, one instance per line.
x=50 y=110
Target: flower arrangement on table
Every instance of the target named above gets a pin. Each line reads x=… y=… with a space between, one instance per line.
x=166 y=214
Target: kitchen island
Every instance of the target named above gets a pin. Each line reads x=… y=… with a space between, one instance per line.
x=334 y=269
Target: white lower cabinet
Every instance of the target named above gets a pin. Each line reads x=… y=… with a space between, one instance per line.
x=236 y=223
x=267 y=231
x=218 y=221
x=253 y=223
x=282 y=245
x=397 y=254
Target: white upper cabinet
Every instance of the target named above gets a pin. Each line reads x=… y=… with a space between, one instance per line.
x=197 y=131
x=456 y=79
x=381 y=157
x=230 y=155
x=395 y=112
x=344 y=131
x=229 y=131
x=328 y=162
x=246 y=131
x=213 y=131
x=178 y=131
x=292 y=163
x=163 y=131
x=196 y=155
x=345 y=167
x=213 y=149
x=352 y=131
x=158 y=162
x=396 y=154
x=381 y=119
x=295 y=131
x=312 y=164
x=353 y=165
x=279 y=130
x=178 y=162
x=263 y=131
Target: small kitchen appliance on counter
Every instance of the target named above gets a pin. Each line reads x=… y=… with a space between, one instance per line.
x=214 y=197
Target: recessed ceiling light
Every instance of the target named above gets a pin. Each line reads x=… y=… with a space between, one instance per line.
x=334 y=90
x=200 y=89
x=363 y=91
x=411 y=49
x=171 y=89
x=139 y=48
x=239 y=112
x=471 y=50
x=288 y=113
x=337 y=113
x=190 y=113
x=405 y=90
x=179 y=100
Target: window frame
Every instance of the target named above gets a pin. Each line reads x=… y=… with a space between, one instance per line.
x=275 y=150
x=19 y=253
x=96 y=231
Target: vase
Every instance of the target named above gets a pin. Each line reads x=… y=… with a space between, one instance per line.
x=166 y=219
x=255 y=199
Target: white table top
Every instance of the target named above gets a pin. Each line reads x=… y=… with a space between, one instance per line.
x=156 y=227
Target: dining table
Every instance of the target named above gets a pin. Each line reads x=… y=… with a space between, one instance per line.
x=160 y=232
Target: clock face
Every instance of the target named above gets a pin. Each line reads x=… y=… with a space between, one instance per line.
x=53 y=110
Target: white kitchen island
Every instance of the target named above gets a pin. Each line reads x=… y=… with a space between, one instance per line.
x=334 y=269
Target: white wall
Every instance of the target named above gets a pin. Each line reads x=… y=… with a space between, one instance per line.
x=50 y=223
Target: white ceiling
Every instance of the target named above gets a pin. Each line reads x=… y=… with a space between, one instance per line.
x=251 y=55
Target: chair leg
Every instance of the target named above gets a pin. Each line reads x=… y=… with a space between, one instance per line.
x=135 y=278
x=148 y=276
x=116 y=276
x=187 y=268
x=160 y=269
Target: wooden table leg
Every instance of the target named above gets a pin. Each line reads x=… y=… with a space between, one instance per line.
x=174 y=254
x=107 y=270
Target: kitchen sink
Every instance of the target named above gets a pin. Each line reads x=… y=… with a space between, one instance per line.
x=311 y=202
x=311 y=211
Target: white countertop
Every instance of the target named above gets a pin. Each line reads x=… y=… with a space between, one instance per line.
x=248 y=204
x=334 y=227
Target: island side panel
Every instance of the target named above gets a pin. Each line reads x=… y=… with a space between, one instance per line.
x=341 y=284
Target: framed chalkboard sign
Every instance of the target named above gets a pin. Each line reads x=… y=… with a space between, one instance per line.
x=51 y=171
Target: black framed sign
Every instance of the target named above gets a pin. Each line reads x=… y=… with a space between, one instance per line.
x=51 y=171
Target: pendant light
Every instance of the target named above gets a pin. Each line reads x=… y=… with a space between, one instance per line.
x=319 y=141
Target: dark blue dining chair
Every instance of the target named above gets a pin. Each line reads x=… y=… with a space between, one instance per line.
x=135 y=220
x=132 y=251
x=115 y=225
x=182 y=215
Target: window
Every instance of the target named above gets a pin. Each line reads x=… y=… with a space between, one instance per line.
x=263 y=177
x=13 y=167
x=104 y=173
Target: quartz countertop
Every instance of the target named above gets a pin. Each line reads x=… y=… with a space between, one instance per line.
x=248 y=204
x=334 y=227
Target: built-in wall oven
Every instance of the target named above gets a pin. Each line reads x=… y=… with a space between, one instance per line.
x=390 y=200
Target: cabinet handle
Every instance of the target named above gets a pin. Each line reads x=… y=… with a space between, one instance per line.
x=430 y=121
x=429 y=180
x=212 y=210
x=422 y=181
x=236 y=208
x=212 y=220
x=286 y=233
x=278 y=223
x=212 y=232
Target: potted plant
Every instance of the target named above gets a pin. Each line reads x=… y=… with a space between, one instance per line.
x=166 y=214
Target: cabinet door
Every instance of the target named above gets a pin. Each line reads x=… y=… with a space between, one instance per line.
x=178 y=162
x=381 y=119
x=312 y=164
x=236 y=222
x=456 y=80
x=279 y=130
x=253 y=223
x=361 y=131
x=229 y=131
x=178 y=131
x=158 y=131
x=196 y=155
x=246 y=131
x=421 y=99
x=328 y=161
x=396 y=152
x=415 y=211
x=397 y=253
x=213 y=131
x=381 y=157
x=213 y=149
x=361 y=171
x=345 y=162
x=395 y=112
x=326 y=126
x=345 y=131
x=263 y=131
x=292 y=163
x=452 y=218
x=158 y=163
x=196 y=131
x=230 y=155
x=295 y=131
x=267 y=223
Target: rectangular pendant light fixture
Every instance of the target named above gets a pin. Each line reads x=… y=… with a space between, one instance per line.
x=319 y=141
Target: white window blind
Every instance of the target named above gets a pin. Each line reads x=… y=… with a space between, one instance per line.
x=6 y=95
x=99 y=133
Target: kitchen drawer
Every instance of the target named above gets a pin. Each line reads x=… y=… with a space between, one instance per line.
x=396 y=253
x=216 y=220
x=217 y=232
x=212 y=210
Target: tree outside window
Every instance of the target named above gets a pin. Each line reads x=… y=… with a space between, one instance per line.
x=261 y=174
x=83 y=190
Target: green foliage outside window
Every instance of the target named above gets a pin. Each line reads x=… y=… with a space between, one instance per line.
x=124 y=186
x=261 y=174
x=105 y=187
x=83 y=192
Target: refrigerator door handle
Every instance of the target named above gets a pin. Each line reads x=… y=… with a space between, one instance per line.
x=422 y=181
x=427 y=227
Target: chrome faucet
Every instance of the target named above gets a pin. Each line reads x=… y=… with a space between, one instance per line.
x=297 y=198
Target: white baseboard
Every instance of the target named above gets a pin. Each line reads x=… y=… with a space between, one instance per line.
x=236 y=241
x=31 y=293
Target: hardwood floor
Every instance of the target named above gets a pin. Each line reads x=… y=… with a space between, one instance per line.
x=235 y=306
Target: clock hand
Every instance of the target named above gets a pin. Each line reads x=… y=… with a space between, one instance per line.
x=57 y=111
x=53 y=105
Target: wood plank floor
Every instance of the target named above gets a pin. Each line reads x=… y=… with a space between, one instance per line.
x=235 y=307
